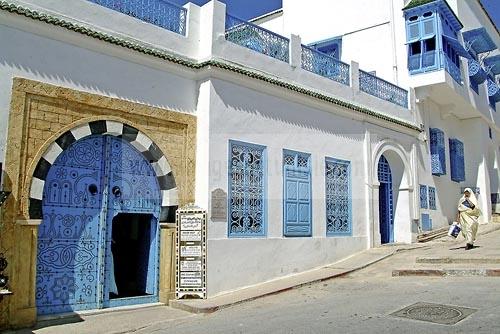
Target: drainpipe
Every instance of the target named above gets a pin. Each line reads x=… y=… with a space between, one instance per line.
x=393 y=42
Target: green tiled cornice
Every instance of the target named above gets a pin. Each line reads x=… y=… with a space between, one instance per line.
x=416 y=3
x=157 y=53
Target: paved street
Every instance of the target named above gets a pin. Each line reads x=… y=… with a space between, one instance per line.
x=358 y=303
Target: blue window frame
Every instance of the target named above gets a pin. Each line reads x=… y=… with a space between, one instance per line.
x=423 y=197
x=247 y=190
x=297 y=206
x=438 y=155
x=432 y=198
x=457 y=164
x=331 y=47
x=421 y=39
x=338 y=197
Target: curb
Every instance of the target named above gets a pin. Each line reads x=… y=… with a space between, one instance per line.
x=448 y=260
x=447 y=272
x=182 y=305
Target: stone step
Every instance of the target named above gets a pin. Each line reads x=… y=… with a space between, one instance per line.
x=434 y=234
x=462 y=260
x=483 y=272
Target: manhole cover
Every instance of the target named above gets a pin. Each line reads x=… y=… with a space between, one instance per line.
x=437 y=313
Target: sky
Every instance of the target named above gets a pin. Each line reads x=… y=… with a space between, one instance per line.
x=493 y=9
x=247 y=9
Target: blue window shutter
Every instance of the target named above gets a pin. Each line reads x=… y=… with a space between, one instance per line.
x=457 y=164
x=412 y=31
x=297 y=204
x=247 y=190
x=432 y=198
x=423 y=197
x=438 y=155
x=426 y=222
x=338 y=197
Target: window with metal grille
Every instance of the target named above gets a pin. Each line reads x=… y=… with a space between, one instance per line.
x=457 y=165
x=432 y=198
x=421 y=40
x=338 y=197
x=297 y=194
x=247 y=190
x=438 y=156
x=423 y=197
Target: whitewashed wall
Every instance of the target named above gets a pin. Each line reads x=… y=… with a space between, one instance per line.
x=92 y=66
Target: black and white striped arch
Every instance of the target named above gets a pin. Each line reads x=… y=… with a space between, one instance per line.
x=104 y=127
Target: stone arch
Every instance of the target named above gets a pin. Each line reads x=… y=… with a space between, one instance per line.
x=397 y=150
x=151 y=152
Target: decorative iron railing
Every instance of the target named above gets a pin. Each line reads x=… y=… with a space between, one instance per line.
x=257 y=38
x=325 y=65
x=382 y=89
x=158 y=12
x=452 y=69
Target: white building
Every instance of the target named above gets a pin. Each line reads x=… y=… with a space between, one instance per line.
x=319 y=160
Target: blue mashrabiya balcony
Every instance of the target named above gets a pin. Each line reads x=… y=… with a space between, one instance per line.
x=157 y=12
x=477 y=41
x=493 y=67
x=431 y=37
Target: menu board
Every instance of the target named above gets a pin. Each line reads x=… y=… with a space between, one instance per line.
x=191 y=252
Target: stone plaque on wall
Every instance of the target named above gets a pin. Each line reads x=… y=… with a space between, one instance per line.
x=218 y=211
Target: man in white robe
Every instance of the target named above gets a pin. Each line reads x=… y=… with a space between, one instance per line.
x=469 y=214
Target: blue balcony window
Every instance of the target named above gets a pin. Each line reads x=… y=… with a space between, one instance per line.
x=438 y=156
x=331 y=47
x=432 y=198
x=457 y=160
x=423 y=197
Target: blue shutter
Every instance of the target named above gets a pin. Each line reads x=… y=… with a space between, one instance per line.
x=432 y=198
x=426 y=222
x=457 y=164
x=338 y=197
x=247 y=179
x=297 y=194
x=438 y=156
x=423 y=197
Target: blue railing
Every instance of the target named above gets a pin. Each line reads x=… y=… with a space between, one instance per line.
x=382 y=89
x=452 y=69
x=325 y=65
x=158 y=12
x=256 y=38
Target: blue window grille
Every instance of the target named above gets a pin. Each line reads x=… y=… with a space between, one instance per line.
x=457 y=165
x=247 y=190
x=438 y=156
x=432 y=198
x=382 y=89
x=423 y=197
x=297 y=205
x=325 y=65
x=426 y=222
x=338 y=197
x=257 y=38
x=493 y=93
x=421 y=39
x=158 y=12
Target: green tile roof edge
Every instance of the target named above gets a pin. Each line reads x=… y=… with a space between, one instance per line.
x=416 y=3
x=154 y=52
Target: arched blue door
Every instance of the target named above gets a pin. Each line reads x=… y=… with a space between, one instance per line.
x=386 y=208
x=101 y=204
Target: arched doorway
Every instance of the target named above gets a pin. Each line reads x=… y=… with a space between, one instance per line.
x=98 y=244
x=386 y=201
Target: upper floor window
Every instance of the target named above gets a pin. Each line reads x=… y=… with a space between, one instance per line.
x=331 y=47
x=247 y=179
x=421 y=39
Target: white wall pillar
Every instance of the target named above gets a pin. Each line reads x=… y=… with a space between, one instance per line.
x=202 y=146
x=354 y=77
x=295 y=51
x=212 y=28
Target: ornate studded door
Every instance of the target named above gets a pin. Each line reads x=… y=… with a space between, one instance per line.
x=386 y=214
x=93 y=181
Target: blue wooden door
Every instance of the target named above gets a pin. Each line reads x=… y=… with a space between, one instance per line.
x=91 y=182
x=297 y=197
x=386 y=210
